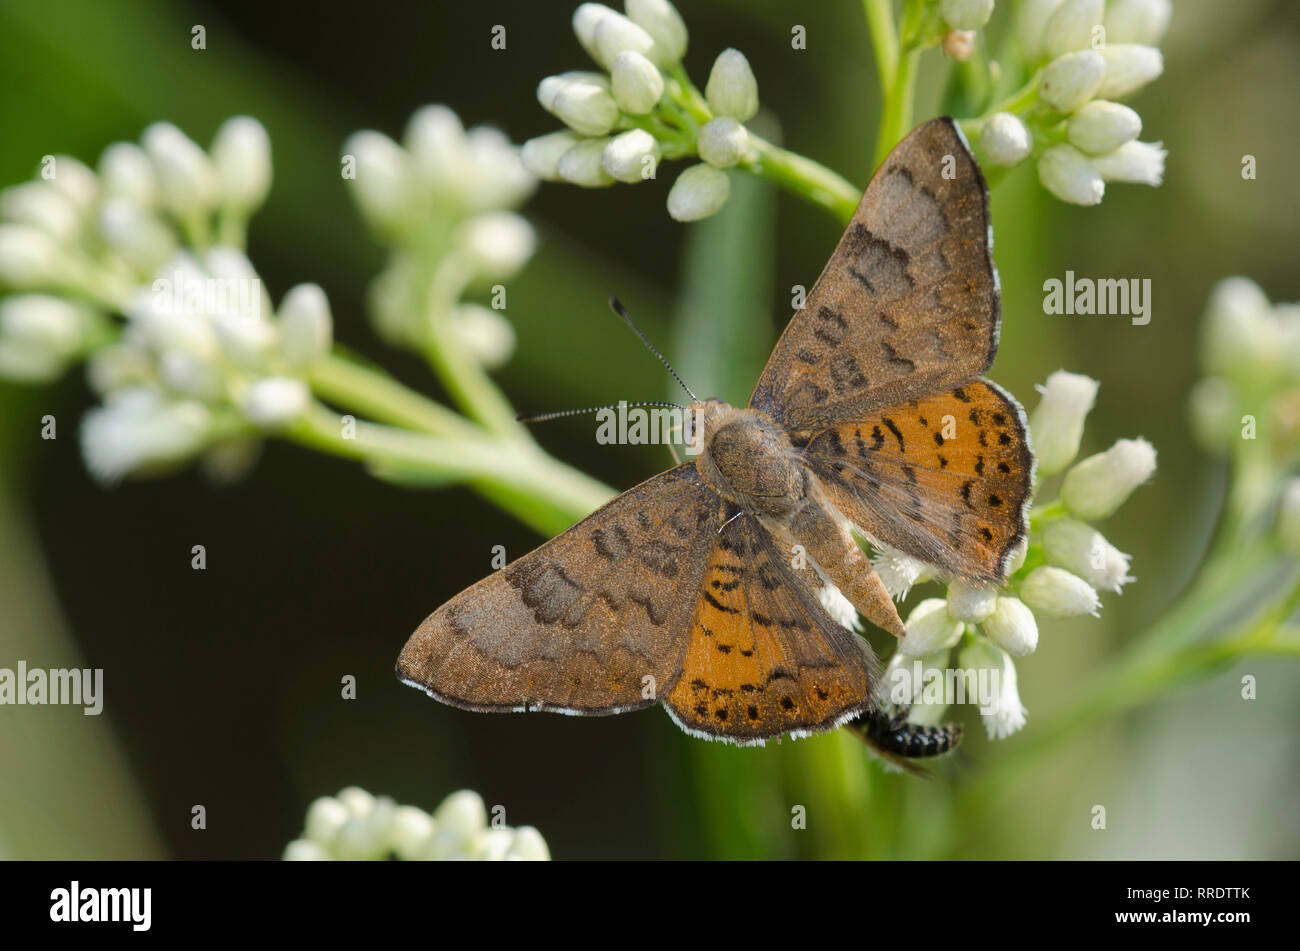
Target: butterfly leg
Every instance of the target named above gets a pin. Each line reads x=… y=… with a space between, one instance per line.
x=830 y=545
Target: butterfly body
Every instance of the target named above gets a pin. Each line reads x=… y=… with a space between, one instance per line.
x=697 y=589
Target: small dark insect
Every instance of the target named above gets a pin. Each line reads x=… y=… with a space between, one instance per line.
x=888 y=733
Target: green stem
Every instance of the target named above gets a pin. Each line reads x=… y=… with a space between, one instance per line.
x=900 y=91
x=539 y=490
x=805 y=178
x=884 y=38
x=375 y=393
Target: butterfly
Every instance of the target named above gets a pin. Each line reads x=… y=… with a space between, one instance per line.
x=697 y=589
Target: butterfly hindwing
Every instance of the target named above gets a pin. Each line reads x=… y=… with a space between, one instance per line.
x=763 y=657
x=942 y=478
x=908 y=304
x=580 y=624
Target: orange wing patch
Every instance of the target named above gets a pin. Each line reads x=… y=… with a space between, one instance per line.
x=762 y=657
x=943 y=478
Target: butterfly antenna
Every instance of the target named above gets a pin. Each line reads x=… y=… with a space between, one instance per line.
x=557 y=414
x=627 y=319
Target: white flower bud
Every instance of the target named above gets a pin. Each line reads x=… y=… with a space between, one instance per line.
x=971 y=603
x=43 y=322
x=325 y=817
x=1070 y=80
x=306 y=327
x=357 y=801
x=29 y=258
x=1031 y=20
x=1057 y=592
x=1240 y=335
x=241 y=152
x=585 y=107
x=584 y=164
x=1012 y=627
x=126 y=172
x=275 y=401
x=1099 y=127
x=636 y=82
x=1083 y=550
x=631 y=157
x=1129 y=67
x=700 y=191
x=1214 y=414
x=185 y=375
x=1015 y=559
x=499 y=243
x=77 y=183
x=489 y=337
x=1137 y=21
x=541 y=155
x=1288 y=516
x=1003 y=713
x=247 y=341
x=142 y=240
x=616 y=34
x=458 y=822
x=412 y=831
x=1071 y=25
x=302 y=850
x=1142 y=163
x=585 y=19
x=930 y=628
x=661 y=20
x=495 y=172
x=382 y=183
x=187 y=180
x=840 y=608
x=966 y=14
x=1098 y=485
x=528 y=844
x=1005 y=140
x=1057 y=423
x=898 y=572
x=136 y=428
x=732 y=90
x=435 y=141
x=723 y=142
x=1067 y=174
x=41 y=205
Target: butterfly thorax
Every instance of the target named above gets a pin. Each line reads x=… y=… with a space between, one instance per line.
x=748 y=460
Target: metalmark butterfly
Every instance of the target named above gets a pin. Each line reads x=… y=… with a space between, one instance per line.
x=684 y=590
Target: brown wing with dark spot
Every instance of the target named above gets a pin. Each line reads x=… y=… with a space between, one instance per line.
x=943 y=478
x=577 y=625
x=908 y=304
x=763 y=657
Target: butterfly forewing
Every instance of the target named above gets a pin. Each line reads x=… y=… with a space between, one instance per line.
x=942 y=478
x=763 y=657
x=594 y=621
x=908 y=304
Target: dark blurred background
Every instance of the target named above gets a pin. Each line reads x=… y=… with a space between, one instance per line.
x=222 y=686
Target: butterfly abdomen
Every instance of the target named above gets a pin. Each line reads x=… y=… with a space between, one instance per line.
x=893 y=734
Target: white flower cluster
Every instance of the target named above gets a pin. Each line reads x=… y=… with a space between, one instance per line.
x=1058 y=573
x=357 y=826
x=155 y=234
x=1250 y=351
x=641 y=108
x=443 y=201
x=1091 y=53
x=1247 y=406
